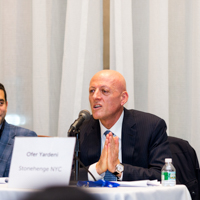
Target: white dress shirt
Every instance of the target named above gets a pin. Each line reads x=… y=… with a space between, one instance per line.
x=117 y=131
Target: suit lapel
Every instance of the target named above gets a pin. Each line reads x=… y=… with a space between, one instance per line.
x=94 y=142
x=7 y=140
x=6 y=146
x=128 y=137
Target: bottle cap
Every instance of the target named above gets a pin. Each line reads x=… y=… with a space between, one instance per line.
x=168 y=160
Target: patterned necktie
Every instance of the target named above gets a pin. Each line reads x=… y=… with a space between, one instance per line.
x=109 y=176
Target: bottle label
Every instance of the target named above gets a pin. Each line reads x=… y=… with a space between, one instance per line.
x=168 y=177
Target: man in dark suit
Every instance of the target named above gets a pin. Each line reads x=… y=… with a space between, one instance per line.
x=7 y=135
x=136 y=144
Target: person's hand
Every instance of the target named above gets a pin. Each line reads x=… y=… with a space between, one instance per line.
x=113 y=152
x=109 y=156
x=102 y=164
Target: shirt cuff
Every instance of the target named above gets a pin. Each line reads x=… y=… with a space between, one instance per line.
x=120 y=179
x=93 y=170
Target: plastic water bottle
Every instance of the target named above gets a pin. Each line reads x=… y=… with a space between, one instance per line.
x=168 y=173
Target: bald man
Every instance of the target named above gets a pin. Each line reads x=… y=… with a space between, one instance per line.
x=135 y=144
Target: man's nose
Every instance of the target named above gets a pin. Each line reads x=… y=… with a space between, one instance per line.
x=96 y=94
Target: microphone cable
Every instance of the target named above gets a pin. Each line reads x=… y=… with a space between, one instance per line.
x=77 y=158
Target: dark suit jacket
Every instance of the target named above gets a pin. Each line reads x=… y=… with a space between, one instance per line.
x=144 y=145
x=6 y=145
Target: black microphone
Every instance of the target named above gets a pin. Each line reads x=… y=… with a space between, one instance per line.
x=83 y=115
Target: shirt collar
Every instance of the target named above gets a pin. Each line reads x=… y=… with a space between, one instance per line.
x=116 y=128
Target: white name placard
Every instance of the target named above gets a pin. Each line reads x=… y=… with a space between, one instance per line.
x=39 y=162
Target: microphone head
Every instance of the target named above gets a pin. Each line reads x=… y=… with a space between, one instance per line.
x=85 y=114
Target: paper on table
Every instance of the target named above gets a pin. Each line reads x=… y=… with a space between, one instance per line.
x=153 y=183
x=3 y=180
x=142 y=183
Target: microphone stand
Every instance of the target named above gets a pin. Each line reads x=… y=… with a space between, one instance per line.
x=77 y=154
x=76 y=133
x=77 y=163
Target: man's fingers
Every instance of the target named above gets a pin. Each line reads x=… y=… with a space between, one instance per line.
x=113 y=151
x=102 y=164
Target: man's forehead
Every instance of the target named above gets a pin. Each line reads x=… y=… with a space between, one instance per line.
x=2 y=97
x=101 y=83
x=99 y=86
x=1 y=92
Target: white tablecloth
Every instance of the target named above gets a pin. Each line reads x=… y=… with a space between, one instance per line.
x=179 y=192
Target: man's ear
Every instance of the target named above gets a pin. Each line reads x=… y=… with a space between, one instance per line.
x=124 y=97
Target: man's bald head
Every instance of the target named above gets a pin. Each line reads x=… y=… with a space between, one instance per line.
x=115 y=77
x=107 y=95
